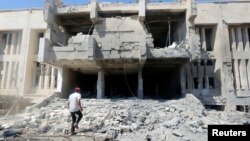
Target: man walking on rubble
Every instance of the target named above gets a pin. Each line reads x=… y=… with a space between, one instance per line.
x=75 y=108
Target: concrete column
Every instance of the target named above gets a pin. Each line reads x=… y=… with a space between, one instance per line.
x=13 y=41
x=6 y=45
x=9 y=45
x=197 y=32
x=1 y=44
x=59 y=80
x=140 y=84
x=199 y=75
x=240 y=41
x=53 y=78
x=10 y=74
x=1 y=73
x=233 y=44
x=25 y=74
x=5 y=72
x=216 y=84
x=247 y=46
x=183 y=80
x=93 y=11
x=225 y=64
x=248 y=73
x=13 y=76
x=236 y=74
x=41 y=78
x=142 y=10
x=16 y=43
x=18 y=48
x=100 y=84
x=15 y=72
x=206 y=76
x=47 y=77
x=230 y=96
x=189 y=77
x=243 y=74
x=203 y=37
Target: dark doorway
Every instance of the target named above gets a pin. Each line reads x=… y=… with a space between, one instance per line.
x=161 y=80
x=87 y=83
x=120 y=85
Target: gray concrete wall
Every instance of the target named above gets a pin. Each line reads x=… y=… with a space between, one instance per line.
x=119 y=37
x=68 y=82
x=232 y=13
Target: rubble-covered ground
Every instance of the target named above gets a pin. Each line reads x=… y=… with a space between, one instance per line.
x=119 y=119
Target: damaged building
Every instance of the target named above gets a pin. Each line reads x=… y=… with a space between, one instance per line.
x=158 y=50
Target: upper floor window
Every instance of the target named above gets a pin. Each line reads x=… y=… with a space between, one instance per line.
x=207 y=36
x=239 y=37
x=10 y=42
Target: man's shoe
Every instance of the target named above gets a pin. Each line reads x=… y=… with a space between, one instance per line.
x=73 y=133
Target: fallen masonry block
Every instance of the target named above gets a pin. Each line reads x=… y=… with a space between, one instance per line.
x=100 y=137
x=173 y=122
x=125 y=128
x=113 y=133
x=177 y=133
x=134 y=126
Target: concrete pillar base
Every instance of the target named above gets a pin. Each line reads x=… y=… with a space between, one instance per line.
x=140 y=85
x=100 y=84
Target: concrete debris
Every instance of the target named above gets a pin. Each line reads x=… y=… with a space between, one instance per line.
x=100 y=137
x=123 y=120
x=174 y=45
x=170 y=51
x=172 y=123
x=177 y=133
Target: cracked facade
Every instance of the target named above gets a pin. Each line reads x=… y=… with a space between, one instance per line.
x=143 y=49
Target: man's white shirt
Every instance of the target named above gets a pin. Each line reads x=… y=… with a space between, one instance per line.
x=73 y=102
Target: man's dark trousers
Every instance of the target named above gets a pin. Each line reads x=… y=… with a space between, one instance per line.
x=73 y=115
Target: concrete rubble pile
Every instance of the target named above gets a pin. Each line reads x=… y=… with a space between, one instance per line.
x=124 y=120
